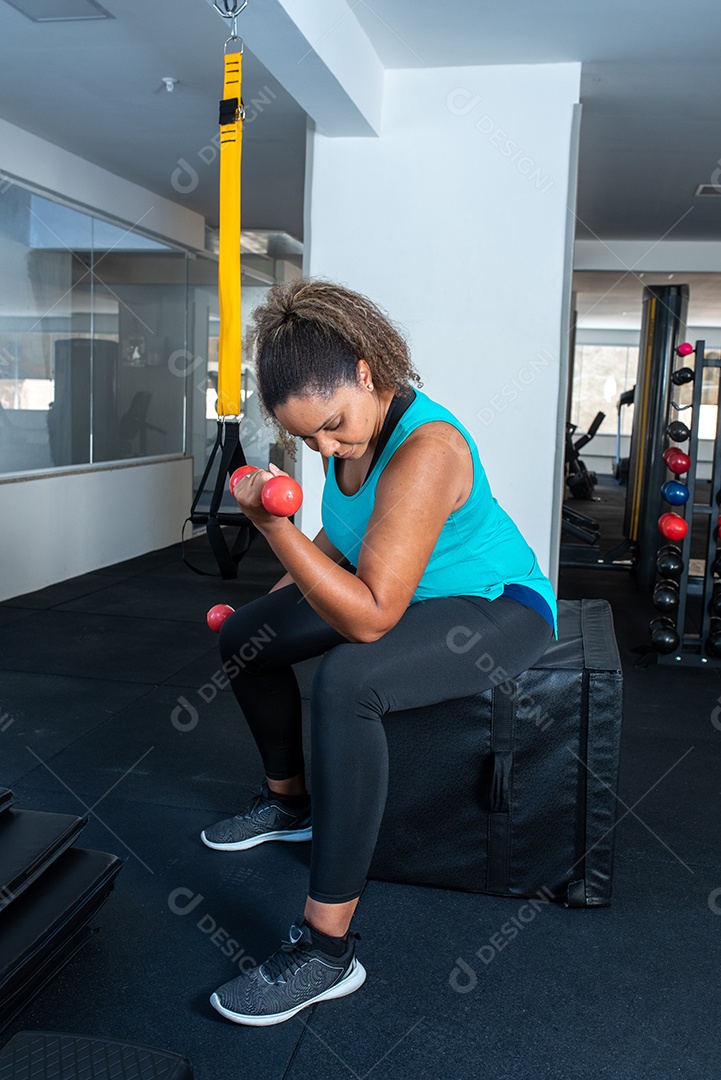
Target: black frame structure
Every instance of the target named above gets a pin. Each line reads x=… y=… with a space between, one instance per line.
x=693 y=649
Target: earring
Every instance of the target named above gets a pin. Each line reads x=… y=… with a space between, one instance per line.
x=370 y=387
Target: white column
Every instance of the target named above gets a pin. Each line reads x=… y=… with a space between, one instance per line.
x=455 y=221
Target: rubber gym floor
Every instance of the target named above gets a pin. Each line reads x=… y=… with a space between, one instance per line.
x=92 y=670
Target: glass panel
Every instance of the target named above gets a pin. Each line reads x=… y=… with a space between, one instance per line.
x=40 y=312
x=90 y=316
x=109 y=342
x=601 y=373
x=139 y=329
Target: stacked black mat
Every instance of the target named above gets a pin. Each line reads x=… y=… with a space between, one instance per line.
x=49 y=891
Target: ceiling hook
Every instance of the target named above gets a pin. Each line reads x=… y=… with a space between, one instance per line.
x=230 y=10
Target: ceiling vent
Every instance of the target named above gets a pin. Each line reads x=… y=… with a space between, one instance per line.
x=42 y=11
x=708 y=189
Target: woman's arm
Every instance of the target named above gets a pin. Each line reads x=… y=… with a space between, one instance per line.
x=423 y=483
x=321 y=541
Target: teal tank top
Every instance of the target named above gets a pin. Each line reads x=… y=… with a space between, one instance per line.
x=480 y=549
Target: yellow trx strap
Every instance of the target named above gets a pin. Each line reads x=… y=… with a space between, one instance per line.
x=231 y=148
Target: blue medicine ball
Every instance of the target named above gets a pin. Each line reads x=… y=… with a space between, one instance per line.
x=675 y=493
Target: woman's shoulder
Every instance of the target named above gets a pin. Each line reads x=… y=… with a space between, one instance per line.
x=438 y=453
x=440 y=435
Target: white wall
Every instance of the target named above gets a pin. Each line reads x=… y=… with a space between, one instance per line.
x=60 y=525
x=454 y=220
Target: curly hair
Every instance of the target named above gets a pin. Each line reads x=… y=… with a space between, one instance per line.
x=308 y=336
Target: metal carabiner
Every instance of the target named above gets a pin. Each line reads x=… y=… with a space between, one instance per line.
x=231 y=10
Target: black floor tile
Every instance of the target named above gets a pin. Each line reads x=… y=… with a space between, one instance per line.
x=165 y=748
x=153 y=596
x=87 y=585
x=101 y=646
x=12 y=614
x=43 y=714
x=141 y=564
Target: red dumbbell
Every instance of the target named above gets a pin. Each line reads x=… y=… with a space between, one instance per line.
x=244 y=470
x=672 y=526
x=676 y=460
x=685 y=349
x=217 y=616
x=281 y=495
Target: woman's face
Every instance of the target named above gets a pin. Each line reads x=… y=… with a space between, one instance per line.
x=339 y=426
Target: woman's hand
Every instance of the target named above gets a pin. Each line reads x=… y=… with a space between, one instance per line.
x=247 y=493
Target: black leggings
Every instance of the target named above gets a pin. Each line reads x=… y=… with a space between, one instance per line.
x=447 y=647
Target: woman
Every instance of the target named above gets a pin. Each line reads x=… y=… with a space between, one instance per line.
x=413 y=546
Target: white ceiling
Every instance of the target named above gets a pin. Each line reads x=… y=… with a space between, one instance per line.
x=651 y=92
x=610 y=300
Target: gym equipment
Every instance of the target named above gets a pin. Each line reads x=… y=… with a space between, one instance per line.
x=530 y=818
x=664 y=315
x=49 y=892
x=700 y=641
x=29 y=842
x=677 y=431
x=685 y=349
x=675 y=460
x=669 y=564
x=682 y=375
x=580 y=481
x=39 y=1055
x=227 y=446
x=281 y=495
x=664 y=638
x=217 y=616
x=713 y=641
x=621 y=464
x=665 y=596
x=660 y=620
x=238 y=475
x=672 y=526
x=674 y=493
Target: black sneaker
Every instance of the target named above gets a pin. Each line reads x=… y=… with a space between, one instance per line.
x=296 y=976
x=265 y=819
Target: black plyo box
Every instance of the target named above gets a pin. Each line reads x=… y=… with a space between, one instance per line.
x=512 y=792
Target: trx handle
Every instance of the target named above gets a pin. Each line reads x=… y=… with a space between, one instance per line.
x=230 y=343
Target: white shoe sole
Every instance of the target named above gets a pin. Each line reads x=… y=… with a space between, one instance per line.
x=293 y=837
x=354 y=978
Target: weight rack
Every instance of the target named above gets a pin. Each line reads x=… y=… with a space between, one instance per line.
x=692 y=649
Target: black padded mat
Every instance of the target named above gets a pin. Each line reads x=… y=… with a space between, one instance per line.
x=48 y=915
x=47 y=1055
x=50 y=962
x=29 y=842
